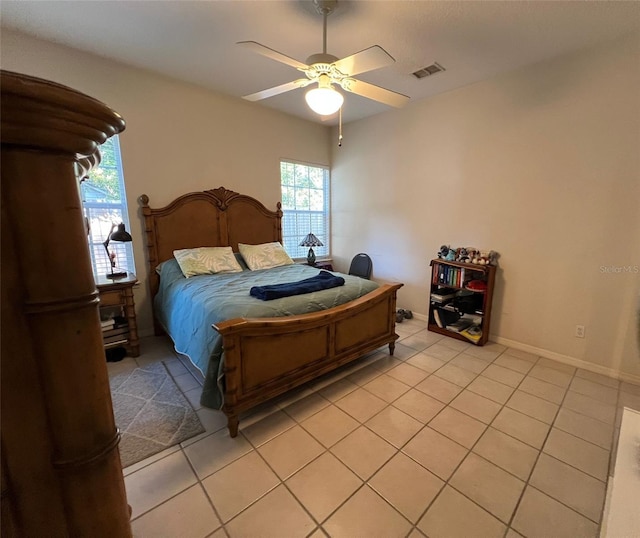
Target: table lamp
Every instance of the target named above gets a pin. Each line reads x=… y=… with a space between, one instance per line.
x=122 y=236
x=311 y=241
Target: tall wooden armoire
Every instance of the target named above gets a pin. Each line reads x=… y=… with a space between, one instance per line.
x=61 y=471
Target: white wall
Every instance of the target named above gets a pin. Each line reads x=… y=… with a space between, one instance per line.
x=541 y=165
x=179 y=138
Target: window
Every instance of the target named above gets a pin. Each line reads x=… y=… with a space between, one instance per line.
x=305 y=207
x=105 y=203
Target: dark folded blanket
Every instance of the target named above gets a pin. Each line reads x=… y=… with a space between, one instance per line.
x=322 y=281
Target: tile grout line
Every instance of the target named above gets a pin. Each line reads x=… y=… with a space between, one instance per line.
x=255 y=448
x=540 y=452
x=535 y=463
x=325 y=451
x=328 y=450
x=526 y=482
x=400 y=450
x=469 y=451
x=193 y=470
x=281 y=481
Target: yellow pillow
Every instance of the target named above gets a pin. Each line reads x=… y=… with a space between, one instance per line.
x=264 y=256
x=206 y=261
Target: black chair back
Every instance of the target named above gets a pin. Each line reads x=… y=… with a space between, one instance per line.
x=361 y=266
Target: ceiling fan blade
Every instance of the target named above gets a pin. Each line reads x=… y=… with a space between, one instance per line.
x=366 y=60
x=371 y=91
x=273 y=54
x=270 y=92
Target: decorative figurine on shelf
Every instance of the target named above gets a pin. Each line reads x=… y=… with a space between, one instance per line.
x=444 y=250
x=462 y=255
x=468 y=255
x=485 y=257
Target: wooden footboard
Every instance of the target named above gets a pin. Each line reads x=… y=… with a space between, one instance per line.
x=265 y=357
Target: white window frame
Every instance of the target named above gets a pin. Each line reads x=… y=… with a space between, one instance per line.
x=101 y=214
x=298 y=222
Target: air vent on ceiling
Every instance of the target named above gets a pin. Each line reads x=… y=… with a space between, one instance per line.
x=432 y=69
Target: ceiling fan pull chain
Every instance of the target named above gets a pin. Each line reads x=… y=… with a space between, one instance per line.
x=340 y=127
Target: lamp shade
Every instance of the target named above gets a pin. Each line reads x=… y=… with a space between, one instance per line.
x=120 y=234
x=311 y=241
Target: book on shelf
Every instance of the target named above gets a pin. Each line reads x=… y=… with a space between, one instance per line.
x=473 y=333
x=474 y=318
x=115 y=339
x=449 y=275
x=115 y=332
x=107 y=324
x=459 y=325
x=442 y=294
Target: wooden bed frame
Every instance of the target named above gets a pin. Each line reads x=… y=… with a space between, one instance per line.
x=265 y=357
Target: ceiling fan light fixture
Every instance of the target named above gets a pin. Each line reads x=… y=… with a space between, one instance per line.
x=324 y=101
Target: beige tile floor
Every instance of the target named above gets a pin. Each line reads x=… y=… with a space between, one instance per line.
x=443 y=439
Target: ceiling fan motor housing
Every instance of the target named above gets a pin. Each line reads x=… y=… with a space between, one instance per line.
x=321 y=58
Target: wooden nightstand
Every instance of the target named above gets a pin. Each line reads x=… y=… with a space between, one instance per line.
x=116 y=302
x=323 y=264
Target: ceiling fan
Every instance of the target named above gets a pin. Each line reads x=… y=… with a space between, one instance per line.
x=325 y=70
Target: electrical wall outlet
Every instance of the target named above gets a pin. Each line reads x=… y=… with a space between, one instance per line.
x=579 y=331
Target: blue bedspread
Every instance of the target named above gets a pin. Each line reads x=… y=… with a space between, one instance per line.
x=322 y=281
x=188 y=307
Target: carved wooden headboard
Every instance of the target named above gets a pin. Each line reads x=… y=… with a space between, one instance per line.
x=213 y=218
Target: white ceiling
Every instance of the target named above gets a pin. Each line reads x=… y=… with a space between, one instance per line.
x=195 y=41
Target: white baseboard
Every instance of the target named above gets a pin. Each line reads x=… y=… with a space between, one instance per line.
x=566 y=359
x=421 y=317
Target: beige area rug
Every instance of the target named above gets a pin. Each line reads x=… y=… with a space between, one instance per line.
x=151 y=412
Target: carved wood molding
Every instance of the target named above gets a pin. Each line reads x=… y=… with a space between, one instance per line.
x=220 y=197
x=40 y=114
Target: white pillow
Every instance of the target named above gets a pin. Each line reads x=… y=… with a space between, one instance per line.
x=264 y=256
x=206 y=261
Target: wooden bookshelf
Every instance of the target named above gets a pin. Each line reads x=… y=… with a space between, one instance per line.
x=456 y=276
